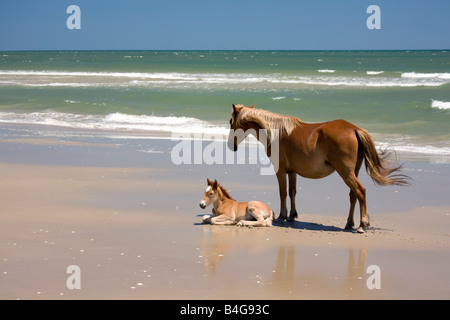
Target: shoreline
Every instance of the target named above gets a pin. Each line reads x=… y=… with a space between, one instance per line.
x=39 y=134
x=130 y=220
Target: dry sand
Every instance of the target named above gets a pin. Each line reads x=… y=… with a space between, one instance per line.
x=133 y=228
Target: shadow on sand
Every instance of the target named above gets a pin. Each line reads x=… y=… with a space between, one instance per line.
x=301 y=225
x=310 y=226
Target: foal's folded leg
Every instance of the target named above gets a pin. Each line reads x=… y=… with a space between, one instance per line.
x=222 y=220
x=206 y=218
x=259 y=216
x=257 y=223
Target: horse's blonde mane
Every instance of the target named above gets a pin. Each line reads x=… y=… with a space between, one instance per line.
x=285 y=124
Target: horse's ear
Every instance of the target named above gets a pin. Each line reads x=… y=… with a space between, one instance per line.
x=251 y=106
x=209 y=182
x=215 y=184
x=234 y=110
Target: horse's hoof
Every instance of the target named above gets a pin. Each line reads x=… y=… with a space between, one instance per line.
x=360 y=230
x=348 y=227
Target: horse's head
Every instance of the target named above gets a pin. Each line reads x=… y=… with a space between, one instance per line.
x=238 y=129
x=211 y=194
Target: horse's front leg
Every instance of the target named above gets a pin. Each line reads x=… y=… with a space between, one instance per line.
x=292 y=192
x=281 y=177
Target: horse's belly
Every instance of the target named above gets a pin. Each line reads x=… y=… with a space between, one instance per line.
x=313 y=169
x=316 y=174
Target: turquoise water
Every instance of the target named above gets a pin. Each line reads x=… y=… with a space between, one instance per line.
x=401 y=97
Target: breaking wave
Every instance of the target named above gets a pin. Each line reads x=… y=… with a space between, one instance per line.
x=129 y=79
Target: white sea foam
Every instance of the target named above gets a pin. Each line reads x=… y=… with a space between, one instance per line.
x=440 y=105
x=115 y=121
x=326 y=71
x=374 y=73
x=414 y=75
x=278 y=98
x=208 y=80
x=425 y=150
x=156 y=126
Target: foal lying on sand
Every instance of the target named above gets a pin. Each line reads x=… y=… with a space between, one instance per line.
x=228 y=211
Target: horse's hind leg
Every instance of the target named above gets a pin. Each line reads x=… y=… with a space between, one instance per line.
x=348 y=173
x=350 y=221
x=359 y=192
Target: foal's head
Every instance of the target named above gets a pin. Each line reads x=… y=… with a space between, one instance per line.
x=214 y=192
x=211 y=194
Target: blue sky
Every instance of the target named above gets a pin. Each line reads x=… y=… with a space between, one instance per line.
x=224 y=25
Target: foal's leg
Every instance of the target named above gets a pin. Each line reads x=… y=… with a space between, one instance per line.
x=223 y=219
x=207 y=218
x=292 y=192
x=258 y=215
x=281 y=176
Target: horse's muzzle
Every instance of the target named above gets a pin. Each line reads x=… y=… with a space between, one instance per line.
x=202 y=205
x=232 y=146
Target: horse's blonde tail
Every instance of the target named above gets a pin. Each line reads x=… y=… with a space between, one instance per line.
x=377 y=165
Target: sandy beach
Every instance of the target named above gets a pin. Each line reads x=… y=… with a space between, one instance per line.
x=129 y=218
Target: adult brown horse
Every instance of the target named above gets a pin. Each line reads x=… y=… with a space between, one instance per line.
x=315 y=150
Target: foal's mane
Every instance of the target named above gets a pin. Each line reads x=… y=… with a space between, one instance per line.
x=224 y=192
x=285 y=124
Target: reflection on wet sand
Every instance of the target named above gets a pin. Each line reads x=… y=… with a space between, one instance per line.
x=356 y=272
x=290 y=270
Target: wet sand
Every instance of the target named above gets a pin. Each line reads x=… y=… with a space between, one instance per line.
x=129 y=219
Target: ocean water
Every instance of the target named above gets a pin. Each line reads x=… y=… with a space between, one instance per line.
x=401 y=97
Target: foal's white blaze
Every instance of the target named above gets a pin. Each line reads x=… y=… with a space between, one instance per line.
x=203 y=203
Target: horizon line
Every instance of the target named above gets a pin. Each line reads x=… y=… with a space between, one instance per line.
x=298 y=50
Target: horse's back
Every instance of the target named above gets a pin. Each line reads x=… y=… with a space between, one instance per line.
x=338 y=134
x=314 y=147
x=338 y=126
x=340 y=146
